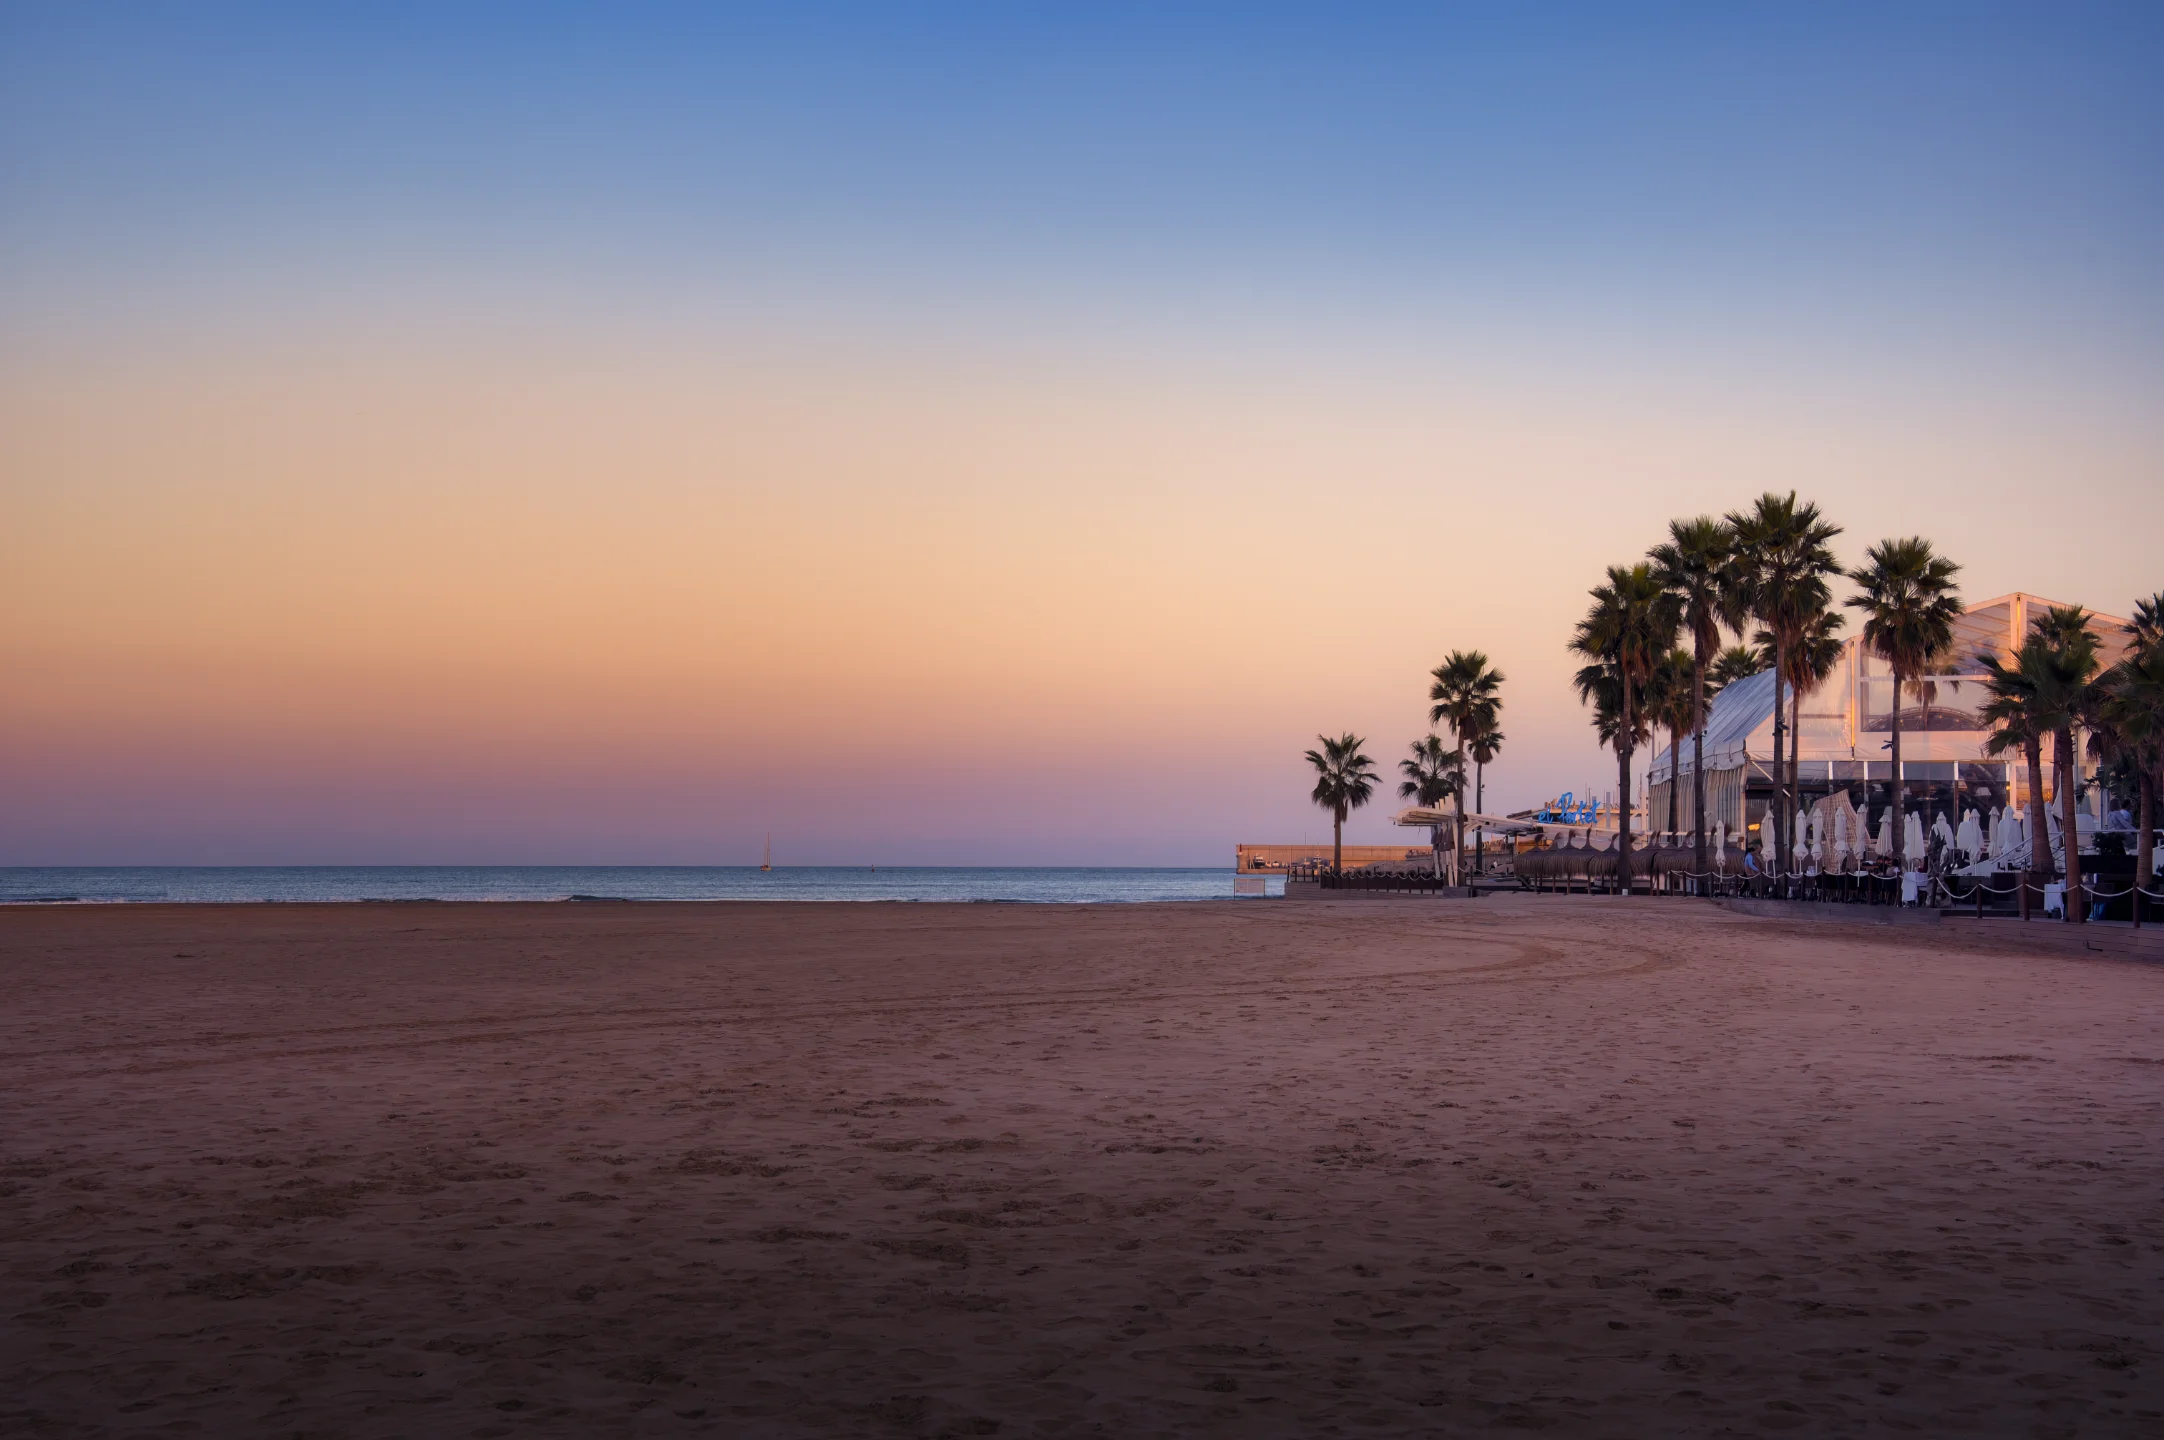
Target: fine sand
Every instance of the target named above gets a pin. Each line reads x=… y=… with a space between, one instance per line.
x=1593 y=1167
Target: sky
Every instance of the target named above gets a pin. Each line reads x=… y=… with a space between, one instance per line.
x=989 y=434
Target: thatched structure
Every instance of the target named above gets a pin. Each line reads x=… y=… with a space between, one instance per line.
x=1588 y=869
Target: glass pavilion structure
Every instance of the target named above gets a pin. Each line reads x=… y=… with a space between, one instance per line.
x=1844 y=740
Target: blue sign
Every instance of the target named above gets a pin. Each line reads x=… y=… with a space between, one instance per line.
x=1564 y=812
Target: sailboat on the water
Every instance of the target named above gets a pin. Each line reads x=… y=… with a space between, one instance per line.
x=766 y=852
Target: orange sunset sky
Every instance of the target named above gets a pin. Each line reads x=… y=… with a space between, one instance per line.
x=629 y=455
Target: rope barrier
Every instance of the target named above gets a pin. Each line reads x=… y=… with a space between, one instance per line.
x=1860 y=880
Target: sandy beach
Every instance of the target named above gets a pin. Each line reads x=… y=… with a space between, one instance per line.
x=1581 y=1166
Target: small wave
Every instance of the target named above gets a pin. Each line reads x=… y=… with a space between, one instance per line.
x=598 y=899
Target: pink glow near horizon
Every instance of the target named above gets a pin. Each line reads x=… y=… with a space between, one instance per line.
x=508 y=606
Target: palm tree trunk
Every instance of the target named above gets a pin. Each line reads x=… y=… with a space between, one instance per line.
x=1698 y=762
x=1623 y=787
x=1900 y=829
x=1480 y=807
x=1337 y=841
x=1675 y=775
x=1795 y=747
x=2039 y=833
x=1780 y=776
x=2145 y=847
x=2066 y=766
x=1457 y=829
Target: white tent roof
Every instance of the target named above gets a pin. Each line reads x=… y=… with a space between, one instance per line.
x=1735 y=715
x=1844 y=718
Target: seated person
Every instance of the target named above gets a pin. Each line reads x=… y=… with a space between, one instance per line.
x=1912 y=885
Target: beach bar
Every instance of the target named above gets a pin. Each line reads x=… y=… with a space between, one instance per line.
x=1844 y=744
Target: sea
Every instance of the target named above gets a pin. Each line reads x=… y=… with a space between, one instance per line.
x=320 y=884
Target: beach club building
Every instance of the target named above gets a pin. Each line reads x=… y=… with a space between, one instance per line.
x=1844 y=745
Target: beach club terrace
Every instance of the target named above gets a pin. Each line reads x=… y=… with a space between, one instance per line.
x=1844 y=741
x=1278 y=859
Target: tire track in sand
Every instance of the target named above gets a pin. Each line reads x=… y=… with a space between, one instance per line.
x=1413 y=981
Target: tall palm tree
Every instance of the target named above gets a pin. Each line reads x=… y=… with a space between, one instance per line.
x=2147 y=626
x=1782 y=561
x=1432 y=775
x=1697 y=565
x=2017 y=714
x=1344 y=781
x=2133 y=706
x=1812 y=657
x=1737 y=662
x=2048 y=689
x=1671 y=692
x=1631 y=623
x=1599 y=685
x=1907 y=596
x=2071 y=698
x=2136 y=688
x=1486 y=744
x=1465 y=688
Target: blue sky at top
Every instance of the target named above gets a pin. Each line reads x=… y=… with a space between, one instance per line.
x=1935 y=165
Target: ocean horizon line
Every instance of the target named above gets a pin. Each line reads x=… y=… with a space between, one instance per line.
x=23 y=885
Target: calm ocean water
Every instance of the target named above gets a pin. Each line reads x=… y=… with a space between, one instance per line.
x=300 y=883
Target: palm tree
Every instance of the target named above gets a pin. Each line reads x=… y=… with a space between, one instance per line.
x=2048 y=689
x=1812 y=657
x=2016 y=712
x=1907 y=594
x=1671 y=692
x=2071 y=699
x=1631 y=623
x=1737 y=662
x=1465 y=689
x=1782 y=561
x=2133 y=706
x=1486 y=744
x=1432 y=775
x=1344 y=781
x=1696 y=564
x=2147 y=626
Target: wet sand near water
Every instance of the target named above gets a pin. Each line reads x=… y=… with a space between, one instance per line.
x=1582 y=1166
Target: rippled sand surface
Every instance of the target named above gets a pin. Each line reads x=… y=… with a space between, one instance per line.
x=1581 y=1166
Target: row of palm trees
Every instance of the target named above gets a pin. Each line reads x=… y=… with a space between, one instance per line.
x=2055 y=682
x=1762 y=573
x=1465 y=696
x=1766 y=573
x=1761 y=579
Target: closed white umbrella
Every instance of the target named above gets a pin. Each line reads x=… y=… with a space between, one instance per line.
x=1969 y=839
x=1941 y=831
x=1765 y=837
x=1802 y=842
x=1818 y=838
x=1882 y=843
x=1840 y=839
x=1912 y=833
x=1720 y=845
